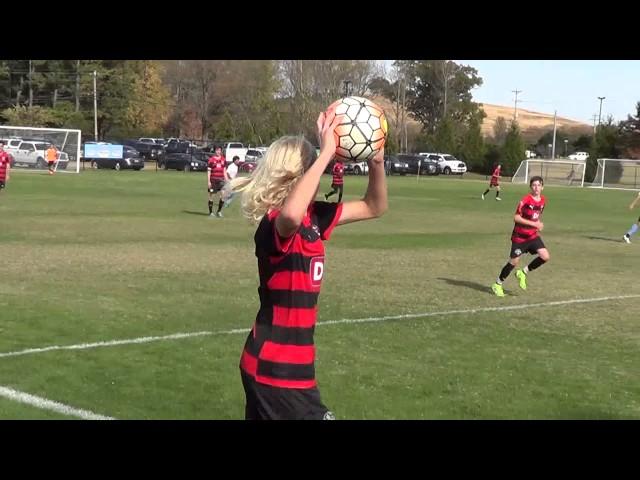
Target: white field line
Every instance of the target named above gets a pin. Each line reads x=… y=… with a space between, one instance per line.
x=177 y=336
x=45 y=404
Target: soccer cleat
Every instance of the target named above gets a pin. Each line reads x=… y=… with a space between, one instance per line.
x=522 y=279
x=497 y=289
x=625 y=237
x=219 y=214
x=483 y=196
x=498 y=199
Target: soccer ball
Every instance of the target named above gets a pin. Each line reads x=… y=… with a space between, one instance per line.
x=364 y=130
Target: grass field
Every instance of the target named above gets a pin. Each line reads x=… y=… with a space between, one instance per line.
x=108 y=256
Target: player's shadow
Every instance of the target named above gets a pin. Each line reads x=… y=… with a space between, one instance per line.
x=606 y=239
x=472 y=285
x=190 y=212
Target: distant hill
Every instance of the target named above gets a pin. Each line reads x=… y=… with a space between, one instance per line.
x=532 y=124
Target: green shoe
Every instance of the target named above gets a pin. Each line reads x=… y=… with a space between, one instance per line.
x=522 y=279
x=497 y=289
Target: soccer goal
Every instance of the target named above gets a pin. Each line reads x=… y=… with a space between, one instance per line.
x=28 y=146
x=554 y=172
x=619 y=173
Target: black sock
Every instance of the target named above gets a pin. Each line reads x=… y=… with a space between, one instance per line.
x=535 y=263
x=506 y=270
x=220 y=205
x=497 y=194
x=329 y=194
x=210 y=207
x=486 y=191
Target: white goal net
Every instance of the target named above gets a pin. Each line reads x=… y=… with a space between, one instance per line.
x=28 y=146
x=617 y=173
x=553 y=172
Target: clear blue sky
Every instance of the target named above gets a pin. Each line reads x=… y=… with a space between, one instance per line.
x=569 y=86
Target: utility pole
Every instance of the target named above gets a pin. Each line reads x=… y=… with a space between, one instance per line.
x=30 y=83
x=600 y=114
x=553 y=148
x=77 y=85
x=515 y=105
x=95 y=105
x=594 y=123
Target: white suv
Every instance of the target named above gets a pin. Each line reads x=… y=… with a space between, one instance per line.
x=32 y=154
x=579 y=156
x=447 y=164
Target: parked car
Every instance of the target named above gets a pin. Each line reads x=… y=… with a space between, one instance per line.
x=583 y=156
x=186 y=162
x=253 y=155
x=32 y=153
x=247 y=166
x=419 y=164
x=150 y=151
x=359 y=168
x=394 y=166
x=131 y=159
x=447 y=164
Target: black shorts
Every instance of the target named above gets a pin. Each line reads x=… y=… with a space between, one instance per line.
x=1 y=184
x=337 y=186
x=216 y=186
x=265 y=402
x=493 y=183
x=51 y=162
x=531 y=247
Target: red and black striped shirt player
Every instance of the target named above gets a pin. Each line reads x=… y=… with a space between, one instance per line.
x=279 y=351
x=337 y=183
x=216 y=177
x=277 y=364
x=525 y=237
x=494 y=182
x=5 y=166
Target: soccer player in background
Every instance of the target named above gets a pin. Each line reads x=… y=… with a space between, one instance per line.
x=277 y=363
x=232 y=172
x=337 y=184
x=216 y=177
x=634 y=228
x=5 y=166
x=52 y=156
x=525 y=237
x=494 y=182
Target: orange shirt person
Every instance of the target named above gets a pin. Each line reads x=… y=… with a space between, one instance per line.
x=52 y=156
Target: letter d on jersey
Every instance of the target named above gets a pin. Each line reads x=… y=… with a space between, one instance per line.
x=316 y=271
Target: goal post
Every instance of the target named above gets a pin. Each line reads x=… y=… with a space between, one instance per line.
x=617 y=173
x=36 y=140
x=554 y=172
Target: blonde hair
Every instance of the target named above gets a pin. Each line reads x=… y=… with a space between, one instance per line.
x=268 y=186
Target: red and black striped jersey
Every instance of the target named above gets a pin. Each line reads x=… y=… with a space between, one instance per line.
x=279 y=350
x=496 y=174
x=338 y=173
x=4 y=163
x=217 y=164
x=529 y=209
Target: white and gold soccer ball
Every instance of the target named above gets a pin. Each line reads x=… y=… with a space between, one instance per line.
x=364 y=130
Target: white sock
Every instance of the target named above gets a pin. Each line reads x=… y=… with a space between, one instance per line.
x=526 y=269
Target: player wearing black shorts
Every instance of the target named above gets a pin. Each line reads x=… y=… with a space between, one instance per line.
x=525 y=237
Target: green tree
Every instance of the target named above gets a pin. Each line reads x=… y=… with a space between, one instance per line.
x=472 y=147
x=513 y=149
x=500 y=131
x=606 y=144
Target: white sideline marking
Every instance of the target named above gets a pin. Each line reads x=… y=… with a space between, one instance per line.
x=45 y=404
x=176 y=336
